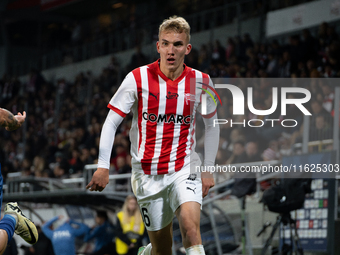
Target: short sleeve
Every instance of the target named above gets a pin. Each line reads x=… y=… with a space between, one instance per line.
x=125 y=96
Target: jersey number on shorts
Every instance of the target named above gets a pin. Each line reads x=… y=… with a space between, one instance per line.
x=146 y=218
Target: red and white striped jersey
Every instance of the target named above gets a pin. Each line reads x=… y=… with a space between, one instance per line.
x=163 y=124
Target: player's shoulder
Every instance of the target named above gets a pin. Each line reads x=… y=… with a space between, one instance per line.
x=132 y=75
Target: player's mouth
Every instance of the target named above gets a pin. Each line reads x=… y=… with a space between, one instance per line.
x=170 y=60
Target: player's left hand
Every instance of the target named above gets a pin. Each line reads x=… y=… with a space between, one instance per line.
x=207 y=182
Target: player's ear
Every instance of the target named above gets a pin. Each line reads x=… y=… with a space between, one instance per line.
x=189 y=47
x=157 y=44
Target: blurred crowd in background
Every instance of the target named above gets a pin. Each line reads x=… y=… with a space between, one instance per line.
x=121 y=234
x=64 y=120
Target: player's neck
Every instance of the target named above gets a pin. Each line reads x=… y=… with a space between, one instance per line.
x=172 y=75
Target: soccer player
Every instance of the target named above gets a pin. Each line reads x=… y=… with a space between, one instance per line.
x=14 y=220
x=163 y=99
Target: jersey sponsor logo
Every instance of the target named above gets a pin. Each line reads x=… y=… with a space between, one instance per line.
x=172 y=95
x=167 y=118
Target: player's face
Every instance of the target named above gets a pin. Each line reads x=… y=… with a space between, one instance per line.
x=172 y=48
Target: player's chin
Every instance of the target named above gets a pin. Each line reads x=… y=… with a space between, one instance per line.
x=171 y=65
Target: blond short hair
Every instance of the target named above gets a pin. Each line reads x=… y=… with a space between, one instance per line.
x=175 y=24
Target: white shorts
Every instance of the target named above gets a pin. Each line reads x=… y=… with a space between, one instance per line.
x=159 y=196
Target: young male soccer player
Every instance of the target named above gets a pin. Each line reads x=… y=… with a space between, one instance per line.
x=14 y=220
x=163 y=103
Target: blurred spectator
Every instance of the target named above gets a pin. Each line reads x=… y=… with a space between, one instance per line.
x=76 y=165
x=321 y=130
x=272 y=67
x=192 y=59
x=203 y=58
x=38 y=165
x=137 y=59
x=119 y=150
x=77 y=33
x=122 y=168
x=285 y=65
x=103 y=233
x=218 y=53
x=328 y=96
x=63 y=237
x=252 y=153
x=237 y=155
x=317 y=109
x=130 y=228
x=272 y=152
x=86 y=157
x=230 y=50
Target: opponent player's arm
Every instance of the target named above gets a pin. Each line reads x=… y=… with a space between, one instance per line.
x=101 y=177
x=46 y=227
x=94 y=232
x=82 y=228
x=9 y=121
x=211 y=142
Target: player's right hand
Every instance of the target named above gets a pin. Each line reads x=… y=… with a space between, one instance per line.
x=99 y=180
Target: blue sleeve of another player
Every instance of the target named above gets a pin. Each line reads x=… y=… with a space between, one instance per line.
x=81 y=230
x=46 y=227
x=94 y=233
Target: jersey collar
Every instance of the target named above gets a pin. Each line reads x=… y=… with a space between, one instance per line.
x=166 y=79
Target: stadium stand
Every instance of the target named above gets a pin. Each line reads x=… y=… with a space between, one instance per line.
x=59 y=143
x=65 y=116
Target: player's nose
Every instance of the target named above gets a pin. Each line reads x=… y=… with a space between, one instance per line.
x=171 y=49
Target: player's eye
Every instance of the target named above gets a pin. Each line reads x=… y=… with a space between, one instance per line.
x=178 y=44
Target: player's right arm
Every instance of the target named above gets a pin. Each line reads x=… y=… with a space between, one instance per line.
x=119 y=106
x=100 y=177
x=9 y=121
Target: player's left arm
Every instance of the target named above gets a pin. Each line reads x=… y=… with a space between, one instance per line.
x=211 y=142
x=9 y=121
